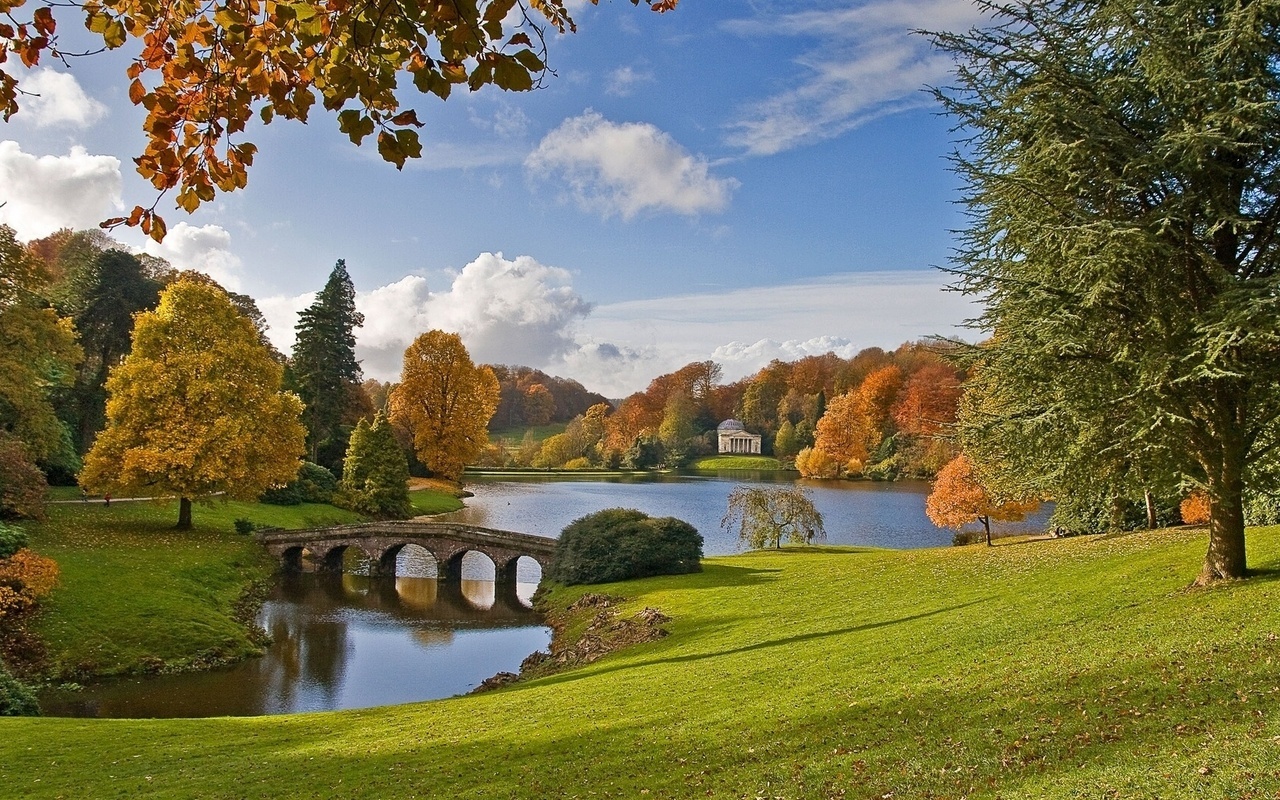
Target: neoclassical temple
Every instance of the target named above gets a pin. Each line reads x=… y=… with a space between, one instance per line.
x=735 y=439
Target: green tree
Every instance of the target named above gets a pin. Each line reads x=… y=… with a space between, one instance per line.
x=38 y=354
x=101 y=297
x=764 y=516
x=1120 y=168
x=375 y=475
x=196 y=408
x=324 y=365
x=446 y=401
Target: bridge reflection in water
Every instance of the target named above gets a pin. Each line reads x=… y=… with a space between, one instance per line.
x=343 y=641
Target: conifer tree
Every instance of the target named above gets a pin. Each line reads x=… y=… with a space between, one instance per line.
x=325 y=371
x=1120 y=161
x=375 y=475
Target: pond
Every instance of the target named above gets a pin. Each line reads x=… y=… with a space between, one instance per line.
x=342 y=641
x=867 y=513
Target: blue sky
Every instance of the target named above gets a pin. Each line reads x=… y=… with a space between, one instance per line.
x=732 y=181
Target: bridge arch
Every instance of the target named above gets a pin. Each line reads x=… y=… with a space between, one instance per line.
x=425 y=561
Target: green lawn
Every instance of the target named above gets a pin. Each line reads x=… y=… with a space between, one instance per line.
x=430 y=501
x=135 y=594
x=1067 y=668
x=728 y=462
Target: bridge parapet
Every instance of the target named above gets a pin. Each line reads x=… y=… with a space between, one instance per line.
x=381 y=542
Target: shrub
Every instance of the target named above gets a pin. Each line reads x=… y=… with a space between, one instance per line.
x=314 y=484
x=22 y=484
x=16 y=698
x=578 y=463
x=1195 y=509
x=815 y=463
x=244 y=527
x=620 y=543
x=1261 y=509
x=11 y=540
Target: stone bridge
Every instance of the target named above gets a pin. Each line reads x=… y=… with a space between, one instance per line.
x=322 y=549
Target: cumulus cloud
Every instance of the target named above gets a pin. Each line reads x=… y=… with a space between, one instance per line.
x=205 y=249
x=866 y=63
x=57 y=99
x=41 y=194
x=507 y=311
x=627 y=168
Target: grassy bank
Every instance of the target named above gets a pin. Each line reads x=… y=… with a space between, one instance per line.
x=1065 y=668
x=136 y=595
x=756 y=463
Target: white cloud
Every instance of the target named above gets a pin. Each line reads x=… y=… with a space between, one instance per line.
x=866 y=64
x=56 y=99
x=206 y=249
x=626 y=168
x=515 y=311
x=41 y=194
x=623 y=81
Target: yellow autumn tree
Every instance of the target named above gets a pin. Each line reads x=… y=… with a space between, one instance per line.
x=445 y=401
x=196 y=409
x=959 y=498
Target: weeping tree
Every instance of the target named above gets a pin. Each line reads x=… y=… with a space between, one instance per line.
x=1120 y=164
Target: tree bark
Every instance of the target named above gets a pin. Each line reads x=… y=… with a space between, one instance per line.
x=1226 y=557
x=986 y=525
x=1151 y=509
x=184 y=514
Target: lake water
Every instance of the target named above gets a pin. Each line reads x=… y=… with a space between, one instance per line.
x=854 y=512
x=347 y=641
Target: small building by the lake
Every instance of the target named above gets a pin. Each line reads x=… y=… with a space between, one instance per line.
x=735 y=439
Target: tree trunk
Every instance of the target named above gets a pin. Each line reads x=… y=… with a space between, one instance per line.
x=1226 y=558
x=986 y=525
x=184 y=514
x=1151 y=509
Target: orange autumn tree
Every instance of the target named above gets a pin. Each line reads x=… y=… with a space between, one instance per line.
x=959 y=498
x=204 y=71
x=844 y=435
x=445 y=401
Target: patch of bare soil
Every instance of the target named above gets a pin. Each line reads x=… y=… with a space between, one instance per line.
x=605 y=632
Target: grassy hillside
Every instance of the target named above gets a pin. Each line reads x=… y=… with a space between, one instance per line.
x=1070 y=668
x=137 y=595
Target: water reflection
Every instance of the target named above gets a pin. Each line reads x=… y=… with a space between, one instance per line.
x=344 y=641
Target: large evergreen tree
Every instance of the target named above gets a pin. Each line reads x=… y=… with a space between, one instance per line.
x=326 y=374
x=1121 y=161
x=102 y=296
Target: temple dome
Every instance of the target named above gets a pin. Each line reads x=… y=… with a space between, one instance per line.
x=730 y=425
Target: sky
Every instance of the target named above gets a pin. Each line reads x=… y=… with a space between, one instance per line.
x=729 y=181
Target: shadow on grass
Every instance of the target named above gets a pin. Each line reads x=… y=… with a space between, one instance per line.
x=785 y=641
